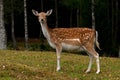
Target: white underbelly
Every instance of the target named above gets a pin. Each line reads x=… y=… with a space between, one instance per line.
x=67 y=47
x=71 y=47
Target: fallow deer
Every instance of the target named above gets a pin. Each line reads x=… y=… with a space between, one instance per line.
x=70 y=39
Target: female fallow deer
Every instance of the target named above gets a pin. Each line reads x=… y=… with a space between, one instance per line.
x=70 y=39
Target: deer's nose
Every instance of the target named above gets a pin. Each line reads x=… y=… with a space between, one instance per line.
x=42 y=20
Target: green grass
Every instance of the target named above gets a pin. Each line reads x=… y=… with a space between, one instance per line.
x=36 y=65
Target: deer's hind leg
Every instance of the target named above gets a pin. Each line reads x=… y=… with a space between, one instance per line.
x=90 y=63
x=92 y=54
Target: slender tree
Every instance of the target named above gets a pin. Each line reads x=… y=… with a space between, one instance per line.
x=112 y=1
x=40 y=34
x=56 y=12
x=116 y=25
x=3 y=40
x=12 y=26
x=116 y=15
x=41 y=5
x=119 y=51
x=78 y=18
x=25 y=25
x=93 y=14
x=71 y=13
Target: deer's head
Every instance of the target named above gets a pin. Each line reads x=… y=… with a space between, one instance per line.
x=42 y=15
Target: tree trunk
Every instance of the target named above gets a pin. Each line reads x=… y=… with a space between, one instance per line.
x=78 y=17
x=112 y=22
x=56 y=13
x=119 y=51
x=116 y=20
x=40 y=35
x=71 y=17
x=93 y=15
x=25 y=25
x=41 y=5
x=3 y=38
x=12 y=27
x=108 y=12
x=116 y=26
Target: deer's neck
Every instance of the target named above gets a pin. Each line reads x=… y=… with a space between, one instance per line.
x=45 y=30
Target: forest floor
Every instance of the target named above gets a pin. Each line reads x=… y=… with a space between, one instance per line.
x=41 y=65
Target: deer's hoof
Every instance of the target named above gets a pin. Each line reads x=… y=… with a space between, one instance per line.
x=58 y=68
x=98 y=72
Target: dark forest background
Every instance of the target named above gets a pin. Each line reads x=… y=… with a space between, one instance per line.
x=67 y=13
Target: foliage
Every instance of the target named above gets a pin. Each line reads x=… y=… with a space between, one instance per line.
x=34 y=65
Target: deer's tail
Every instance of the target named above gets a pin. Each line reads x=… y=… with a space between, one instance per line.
x=96 y=41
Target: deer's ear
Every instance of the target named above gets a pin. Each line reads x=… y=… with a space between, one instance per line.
x=35 y=12
x=49 y=12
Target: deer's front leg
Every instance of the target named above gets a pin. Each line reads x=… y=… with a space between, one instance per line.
x=58 y=51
